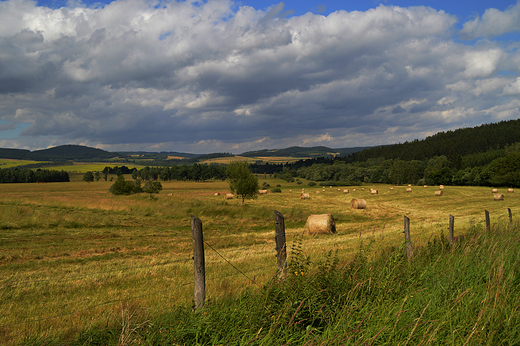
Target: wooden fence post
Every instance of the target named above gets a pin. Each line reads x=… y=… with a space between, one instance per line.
x=451 y=235
x=510 y=217
x=488 y=222
x=408 y=240
x=198 y=261
x=281 y=247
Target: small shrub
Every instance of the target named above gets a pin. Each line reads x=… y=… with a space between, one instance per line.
x=278 y=185
x=299 y=182
x=152 y=187
x=276 y=190
x=311 y=183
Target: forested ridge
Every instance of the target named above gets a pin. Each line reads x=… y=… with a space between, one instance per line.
x=464 y=141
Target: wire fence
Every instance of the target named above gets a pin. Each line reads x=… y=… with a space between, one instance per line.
x=7 y=284
x=219 y=253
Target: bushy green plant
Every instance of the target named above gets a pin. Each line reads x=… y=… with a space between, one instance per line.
x=152 y=186
x=276 y=190
x=123 y=187
x=311 y=183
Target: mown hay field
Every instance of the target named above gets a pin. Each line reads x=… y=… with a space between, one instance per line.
x=73 y=256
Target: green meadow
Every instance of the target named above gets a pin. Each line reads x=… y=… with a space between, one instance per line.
x=81 y=266
x=8 y=163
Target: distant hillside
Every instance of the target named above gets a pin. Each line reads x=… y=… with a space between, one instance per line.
x=312 y=152
x=459 y=142
x=60 y=153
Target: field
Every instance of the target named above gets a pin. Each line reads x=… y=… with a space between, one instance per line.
x=74 y=257
x=269 y=159
x=8 y=163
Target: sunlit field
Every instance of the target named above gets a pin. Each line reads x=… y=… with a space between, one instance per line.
x=8 y=163
x=73 y=256
x=270 y=159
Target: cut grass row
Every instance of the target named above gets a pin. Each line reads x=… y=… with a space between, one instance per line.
x=74 y=251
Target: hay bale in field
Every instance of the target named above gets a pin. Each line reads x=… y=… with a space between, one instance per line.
x=262 y=192
x=321 y=224
x=391 y=189
x=339 y=189
x=305 y=196
x=510 y=190
x=425 y=186
x=498 y=197
x=494 y=190
x=330 y=187
x=217 y=194
x=170 y=194
x=345 y=191
x=362 y=189
x=229 y=196
x=358 y=204
x=408 y=189
x=439 y=193
x=317 y=192
x=354 y=190
x=373 y=191
x=441 y=187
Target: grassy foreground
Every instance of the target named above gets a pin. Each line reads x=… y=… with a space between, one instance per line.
x=80 y=266
x=468 y=294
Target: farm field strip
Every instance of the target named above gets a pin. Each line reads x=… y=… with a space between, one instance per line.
x=75 y=251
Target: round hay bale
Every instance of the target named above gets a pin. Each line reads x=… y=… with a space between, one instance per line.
x=498 y=197
x=408 y=189
x=321 y=224
x=362 y=189
x=229 y=196
x=317 y=192
x=358 y=204
x=425 y=186
x=354 y=190
x=391 y=189
x=345 y=191
x=510 y=190
x=439 y=193
x=374 y=192
x=217 y=194
x=305 y=196
x=441 y=187
x=494 y=190
x=262 y=192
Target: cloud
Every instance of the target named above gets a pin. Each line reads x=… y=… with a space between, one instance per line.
x=206 y=77
x=493 y=23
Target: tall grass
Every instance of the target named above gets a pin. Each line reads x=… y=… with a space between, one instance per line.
x=465 y=294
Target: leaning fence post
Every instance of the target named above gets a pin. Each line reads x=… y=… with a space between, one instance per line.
x=488 y=222
x=408 y=241
x=510 y=217
x=281 y=247
x=198 y=260
x=451 y=235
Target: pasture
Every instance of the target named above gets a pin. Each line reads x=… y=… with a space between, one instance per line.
x=74 y=257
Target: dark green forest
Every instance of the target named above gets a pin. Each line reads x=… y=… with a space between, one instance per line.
x=17 y=175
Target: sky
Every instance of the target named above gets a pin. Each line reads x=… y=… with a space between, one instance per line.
x=235 y=76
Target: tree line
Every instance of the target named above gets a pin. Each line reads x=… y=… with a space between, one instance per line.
x=16 y=175
x=492 y=168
